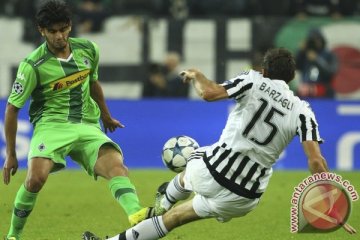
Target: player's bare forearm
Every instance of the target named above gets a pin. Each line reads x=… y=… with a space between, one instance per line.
x=11 y=117
x=205 y=88
x=318 y=165
x=316 y=161
x=97 y=94
x=11 y=163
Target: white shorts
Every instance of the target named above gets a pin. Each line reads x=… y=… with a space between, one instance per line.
x=211 y=199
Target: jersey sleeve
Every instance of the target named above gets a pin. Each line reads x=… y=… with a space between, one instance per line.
x=307 y=126
x=95 y=66
x=239 y=86
x=23 y=86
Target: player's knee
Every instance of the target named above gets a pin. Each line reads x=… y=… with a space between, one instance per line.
x=120 y=170
x=111 y=166
x=35 y=183
x=113 y=170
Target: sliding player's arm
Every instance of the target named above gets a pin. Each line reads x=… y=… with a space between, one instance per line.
x=205 y=88
x=316 y=161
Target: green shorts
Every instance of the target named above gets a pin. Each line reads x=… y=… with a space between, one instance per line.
x=80 y=141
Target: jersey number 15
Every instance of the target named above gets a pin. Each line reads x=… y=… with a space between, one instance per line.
x=269 y=115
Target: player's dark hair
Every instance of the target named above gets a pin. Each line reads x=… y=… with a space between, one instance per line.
x=52 y=12
x=279 y=64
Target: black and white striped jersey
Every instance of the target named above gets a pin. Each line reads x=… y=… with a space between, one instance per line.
x=264 y=120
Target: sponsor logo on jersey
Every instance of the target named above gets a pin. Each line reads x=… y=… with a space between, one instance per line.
x=58 y=86
x=70 y=81
x=18 y=88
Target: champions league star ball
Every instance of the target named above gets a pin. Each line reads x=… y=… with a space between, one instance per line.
x=176 y=151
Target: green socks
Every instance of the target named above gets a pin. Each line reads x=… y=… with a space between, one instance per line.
x=23 y=205
x=124 y=192
x=120 y=187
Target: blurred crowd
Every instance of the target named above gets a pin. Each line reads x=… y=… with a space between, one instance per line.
x=317 y=65
x=163 y=79
x=93 y=12
x=89 y=15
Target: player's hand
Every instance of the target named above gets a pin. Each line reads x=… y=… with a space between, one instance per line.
x=349 y=228
x=188 y=75
x=111 y=124
x=10 y=168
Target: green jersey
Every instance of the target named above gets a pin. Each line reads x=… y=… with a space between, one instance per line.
x=59 y=88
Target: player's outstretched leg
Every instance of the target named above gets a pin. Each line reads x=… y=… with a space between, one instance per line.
x=124 y=192
x=148 y=229
x=159 y=226
x=170 y=193
x=110 y=166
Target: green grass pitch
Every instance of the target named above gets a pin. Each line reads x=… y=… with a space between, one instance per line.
x=72 y=202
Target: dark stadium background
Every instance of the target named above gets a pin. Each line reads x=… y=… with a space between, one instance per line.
x=221 y=38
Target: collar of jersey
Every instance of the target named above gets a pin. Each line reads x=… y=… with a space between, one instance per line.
x=65 y=60
x=60 y=59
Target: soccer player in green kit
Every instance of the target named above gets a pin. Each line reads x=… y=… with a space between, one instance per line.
x=67 y=103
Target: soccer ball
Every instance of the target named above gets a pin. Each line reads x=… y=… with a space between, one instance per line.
x=176 y=151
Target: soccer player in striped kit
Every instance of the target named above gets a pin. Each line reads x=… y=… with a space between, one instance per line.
x=230 y=176
x=67 y=102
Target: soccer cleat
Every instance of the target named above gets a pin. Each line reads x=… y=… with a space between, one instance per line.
x=9 y=238
x=141 y=215
x=90 y=236
x=159 y=210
